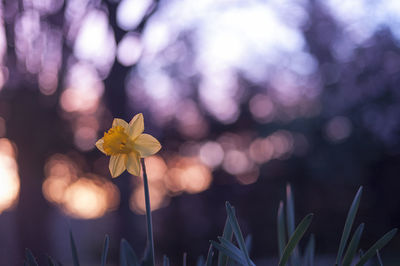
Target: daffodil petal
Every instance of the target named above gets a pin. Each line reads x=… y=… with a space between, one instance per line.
x=133 y=163
x=99 y=145
x=119 y=122
x=136 y=126
x=117 y=164
x=146 y=145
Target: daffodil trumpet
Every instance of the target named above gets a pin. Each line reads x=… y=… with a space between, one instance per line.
x=126 y=144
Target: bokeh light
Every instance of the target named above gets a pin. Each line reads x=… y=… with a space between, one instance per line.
x=9 y=178
x=129 y=50
x=338 y=129
x=95 y=41
x=179 y=174
x=211 y=153
x=262 y=108
x=158 y=198
x=3 y=49
x=261 y=150
x=156 y=174
x=83 y=196
x=131 y=12
x=83 y=91
x=186 y=174
x=236 y=162
x=2 y=127
x=89 y=198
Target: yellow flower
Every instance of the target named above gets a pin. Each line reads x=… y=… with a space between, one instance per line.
x=126 y=144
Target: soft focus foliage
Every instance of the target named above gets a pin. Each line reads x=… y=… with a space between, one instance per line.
x=233 y=249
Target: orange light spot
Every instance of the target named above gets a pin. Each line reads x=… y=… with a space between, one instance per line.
x=9 y=178
x=189 y=175
x=156 y=168
x=86 y=197
x=158 y=198
x=261 y=150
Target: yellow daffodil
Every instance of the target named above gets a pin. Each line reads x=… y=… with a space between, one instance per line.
x=126 y=144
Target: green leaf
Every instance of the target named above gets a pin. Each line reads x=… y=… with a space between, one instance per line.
x=230 y=253
x=73 y=249
x=290 y=222
x=310 y=252
x=165 y=260
x=127 y=255
x=348 y=224
x=227 y=234
x=353 y=246
x=377 y=246
x=210 y=255
x=236 y=230
x=295 y=238
x=30 y=259
x=105 y=250
x=281 y=229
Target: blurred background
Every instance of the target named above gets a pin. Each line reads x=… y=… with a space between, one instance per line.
x=245 y=97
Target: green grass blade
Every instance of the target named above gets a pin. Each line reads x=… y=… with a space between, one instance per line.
x=236 y=230
x=127 y=255
x=165 y=261
x=248 y=241
x=227 y=234
x=379 y=258
x=184 y=263
x=229 y=245
x=122 y=255
x=50 y=261
x=281 y=229
x=210 y=255
x=290 y=222
x=348 y=224
x=377 y=246
x=295 y=238
x=147 y=258
x=310 y=252
x=30 y=259
x=200 y=261
x=290 y=210
x=105 y=250
x=73 y=249
x=353 y=246
x=360 y=253
x=233 y=255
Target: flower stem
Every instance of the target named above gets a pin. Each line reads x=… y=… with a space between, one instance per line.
x=150 y=240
